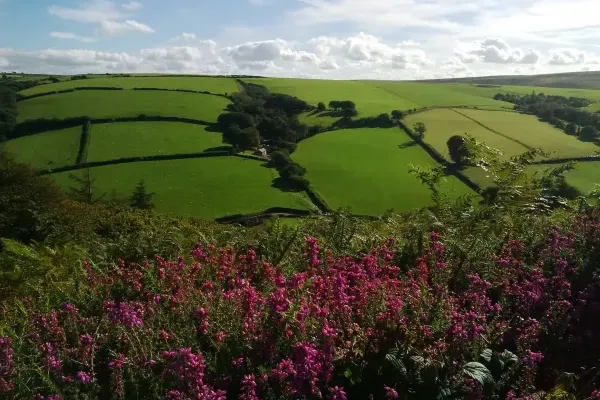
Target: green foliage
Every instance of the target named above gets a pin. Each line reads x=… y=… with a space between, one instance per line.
x=420 y=130
x=321 y=107
x=8 y=109
x=85 y=189
x=397 y=115
x=458 y=150
x=589 y=134
x=478 y=372
x=141 y=198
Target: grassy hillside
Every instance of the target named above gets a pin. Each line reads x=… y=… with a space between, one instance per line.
x=443 y=123
x=586 y=79
x=123 y=103
x=367 y=170
x=47 y=150
x=533 y=133
x=135 y=139
x=433 y=95
x=213 y=85
x=369 y=99
x=203 y=188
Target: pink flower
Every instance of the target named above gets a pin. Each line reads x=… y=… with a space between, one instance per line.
x=390 y=393
x=83 y=377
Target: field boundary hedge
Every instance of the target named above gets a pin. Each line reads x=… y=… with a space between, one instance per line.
x=317 y=200
x=433 y=153
x=268 y=213
x=127 y=160
x=86 y=131
x=22 y=97
x=39 y=125
x=493 y=130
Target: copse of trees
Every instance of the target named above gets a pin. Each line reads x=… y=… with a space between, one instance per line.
x=321 y=107
x=292 y=173
x=337 y=105
x=397 y=115
x=257 y=115
x=8 y=110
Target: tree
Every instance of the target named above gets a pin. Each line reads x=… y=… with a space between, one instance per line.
x=321 y=107
x=141 y=198
x=8 y=110
x=84 y=191
x=349 y=112
x=457 y=147
x=589 y=134
x=4 y=76
x=242 y=139
x=571 y=129
x=397 y=115
x=420 y=130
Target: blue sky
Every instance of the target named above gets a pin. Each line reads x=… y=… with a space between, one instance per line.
x=338 y=39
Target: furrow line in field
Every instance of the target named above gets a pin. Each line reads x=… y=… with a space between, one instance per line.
x=493 y=130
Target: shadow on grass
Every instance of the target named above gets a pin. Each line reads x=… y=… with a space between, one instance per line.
x=281 y=184
x=217 y=148
x=212 y=128
x=407 y=145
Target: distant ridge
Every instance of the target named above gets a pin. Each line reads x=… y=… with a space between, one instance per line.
x=574 y=80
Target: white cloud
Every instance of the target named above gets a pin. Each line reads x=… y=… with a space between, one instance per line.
x=359 y=56
x=110 y=18
x=497 y=51
x=94 y=11
x=132 y=6
x=118 y=27
x=71 y=36
x=567 y=57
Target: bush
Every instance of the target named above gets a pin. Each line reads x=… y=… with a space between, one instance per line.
x=292 y=169
x=298 y=182
x=459 y=153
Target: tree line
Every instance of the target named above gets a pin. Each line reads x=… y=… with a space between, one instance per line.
x=565 y=113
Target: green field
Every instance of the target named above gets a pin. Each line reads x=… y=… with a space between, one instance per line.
x=48 y=149
x=136 y=139
x=213 y=85
x=528 y=130
x=367 y=170
x=583 y=177
x=369 y=100
x=204 y=188
x=443 y=123
x=123 y=103
x=439 y=95
x=490 y=92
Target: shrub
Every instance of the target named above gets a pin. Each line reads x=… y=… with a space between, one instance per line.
x=459 y=152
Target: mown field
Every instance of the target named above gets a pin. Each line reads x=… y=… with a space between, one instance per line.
x=440 y=95
x=204 y=188
x=370 y=100
x=48 y=149
x=367 y=170
x=533 y=133
x=213 y=85
x=123 y=103
x=443 y=123
x=136 y=139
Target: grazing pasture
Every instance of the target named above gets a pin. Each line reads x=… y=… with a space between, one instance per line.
x=205 y=188
x=48 y=149
x=213 y=85
x=123 y=103
x=443 y=123
x=136 y=139
x=367 y=170
x=528 y=130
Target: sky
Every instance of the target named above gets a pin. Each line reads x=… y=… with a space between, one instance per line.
x=331 y=39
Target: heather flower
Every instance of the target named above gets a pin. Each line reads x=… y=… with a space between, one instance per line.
x=49 y=397
x=337 y=393
x=85 y=340
x=83 y=377
x=221 y=336
x=390 y=393
x=531 y=358
x=6 y=365
x=124 y=314
x=248 y=389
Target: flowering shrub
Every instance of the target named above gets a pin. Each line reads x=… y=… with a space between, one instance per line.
x=224 y=326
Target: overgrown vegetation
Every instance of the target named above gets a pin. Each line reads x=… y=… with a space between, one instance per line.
x=460 y=300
